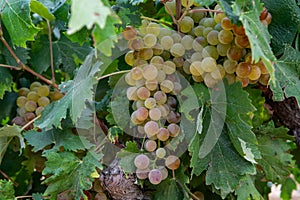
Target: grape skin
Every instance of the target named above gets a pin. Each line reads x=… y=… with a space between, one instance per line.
x=172 y=162
x=150 y=145
x=141 y=161
x=155 y=176
x=151 y=128
x=43 y=90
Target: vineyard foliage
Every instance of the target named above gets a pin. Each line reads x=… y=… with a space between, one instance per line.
x=82 y=80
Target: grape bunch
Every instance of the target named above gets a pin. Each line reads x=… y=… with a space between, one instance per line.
x=32 y=101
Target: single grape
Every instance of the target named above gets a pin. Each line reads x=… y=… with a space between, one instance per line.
x=151 y=128
x=23 y=91
x=199 y=194
x=136 y=73
x=145 y=53
x=169 y=67
x=157 y=60
x=176 y=37
x=34 y=85
x=262 y=67
x=255 y=73
x=201 y=40
x=197 y=45
x=242 y=41
x=208 y=64
x=141 y=161
x=134 y=119
x=21 y=111
x=163 y=134
x=128 y=80
x=198 y=30
x=164 y=109
x=150 y=145
x=197 y=16
x=218 y=27
x=173 y=117
x=219 y=73
x=264 y=79
x=150 y=72
x=230 y=66
x=143 y=93
x=155 y=114
x=226 y=24
x=171 y=7
x=56 y=95
x=197 y=56
x=197 y=78
x=177 y=88
x=263 y=14
x=160 y=97
x=43 y=101
x=210 y=51
x=209 y=22
x=195 y=68
x=206 y=31
x=172 y=162
x=219 y=16
x=244 y=81
x=209 y=80
x=39 y=110
x=161 y=76
x=186 y=24
x=29 y=116
x=212 y=37
x=150 y=103
x=163 y=32
x=243 y=70
x=166 y=42
x=160 y=152
x=238 y=30
x=177 y=50
x=187 y=3
x=136 y=44
x=30 y=106
x=187 y=42
x=131 y=93
x=129 y=58
x=32 y=95
x=230 y=78
x=153 y=28
x=186 y=67
x=235 y=53
x=150 y=40
x=166 y=86
x=129 y=33
x=43 y=91
x=151 y=84
x=142 y=173
x=223 y=48
x=178 y=61
x=164 y=172
x=172 y=103
x=225 y=36
x=21 y=101
x=18 y=120
x=142 y=113
x=155 y=176
x=157 y=49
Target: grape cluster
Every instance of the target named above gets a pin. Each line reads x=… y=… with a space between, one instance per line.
x=31 y=102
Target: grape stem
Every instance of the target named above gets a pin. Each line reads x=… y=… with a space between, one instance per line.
x=30 y=122
x=10 y=67
x=158 y=21
x=171 y=13
x=205 y=10
x=178 y=9
x=184 y=187
x=8 y=178
x=28 y=196
x=22 y=65
x=51 y=51
x=112 y=74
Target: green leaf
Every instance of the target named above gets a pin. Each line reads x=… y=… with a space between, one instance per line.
x=7 y=190
x=60 y=138
x=69 y=173
x=87 y=13
x=287 y=188
x=131 y=146
x=78 y=91
x=283 y=33
x=247 y=189
x=40 y=9
x=37 y=196
x=8 y=107
x=275 y=160
x=15 y=15
x=6 y=81
x=7 y=133
x=168 y=189
x=287 y=76
x=257 y=33
x=204 y=2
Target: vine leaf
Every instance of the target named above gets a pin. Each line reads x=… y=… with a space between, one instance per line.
x=287 y=188
x=40 y=9
x=168 y=189
x=246 y=189
x=69 y=172
x=127 y=156
x=257 y=33
x=7 y=190
x=15 y=15
x=78 y=91
x=87 y=13
x=7 y=133
x=287 y=76
x=59 y=138
x=6 y=81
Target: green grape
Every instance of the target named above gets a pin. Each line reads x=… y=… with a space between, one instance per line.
x=142 y=113
x=226 y=24
x=43 y=90
x=186 y=67
x=218 y=27
x=136 y=44
x=160 y=152
x=177 y=50
x=129 y=33
x=56 y=95
x=243 y=70
x=164 y=32
x=39 y=110
x=219 y=16
x=139 y=103
x=21 y=111
x=186 y=24
x=157 y=60
x=143 y=27
x=166 y=86
x=151 y=128
x=210 y=51
x=150 y=103
x=197 y=46
x=43 y=101
x=141 y=161
x=155 y=176
x=195 y=68
x=166 y=42
x=129 y=58
x=212 y=37
x=209 y=22
x=197 y=56
x=150 y=40
x=223 y=48
x=157 y=49
x=150 y=145
x=173 y=117
x=206 y=31
x=142 y=173
x=197 y=16
x=187 y=42
x=242 y=41
x=255 y=73
x=166 y=55
x=187 y=3
x=30 y=106
x=198 y=30
x=169 y=67
x=153 y=28
x=160 y=97
x=151 y=84
x=163 y=134
x=131 y=93
x=225 y=36
x=29 y=116
x=176 y=37
x=172 y=162
x=21 y=101
x=129 y=80
x=208 y=64
x=171 y=7
x=235 y=53
x=155 y=114
x=150 y=72
x=35 y=85
x=230 y=66
x=143 y=93
x=32 y=95
x=161 y=76
x=201 y=40
x=23 y=91
x=145 y=53
x=209 y=80
x=178 y=61
x=219 y=73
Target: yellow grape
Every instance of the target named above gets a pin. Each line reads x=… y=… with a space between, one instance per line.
x=243 y=70
x=186 y=24
x=21 y=101
x=43 y=101
x=150 y=40
x=43 y=91
x=166 y=86
x=23 y=91
x=255 y=73
x=177 y=50
x=129 y=58
x=153 y=28
x=34 y=85
x=32 y=95
x=30 y=106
